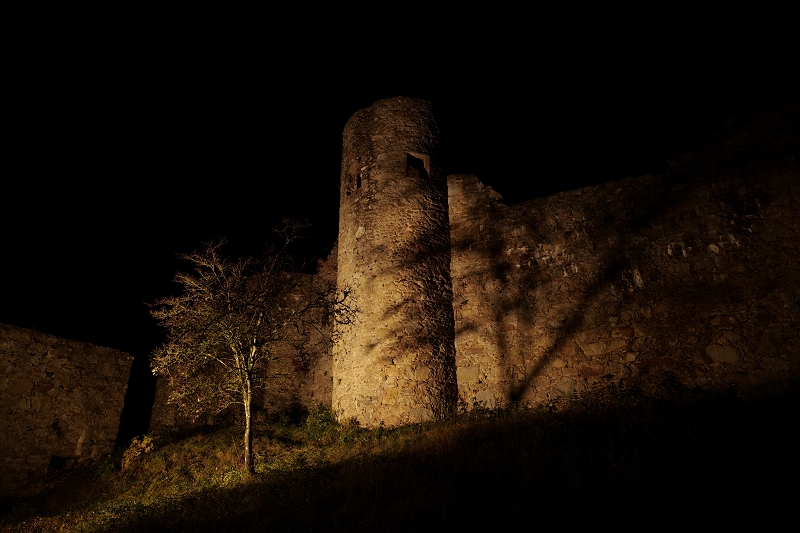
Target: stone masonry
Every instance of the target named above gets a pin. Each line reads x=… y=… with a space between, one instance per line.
x=59 y=399
x=688 y=278
x=396 y=363
x=691 y=276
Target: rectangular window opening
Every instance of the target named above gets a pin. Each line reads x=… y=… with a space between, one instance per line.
x=415 y=167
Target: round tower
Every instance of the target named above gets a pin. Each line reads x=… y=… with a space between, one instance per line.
x=395 y=363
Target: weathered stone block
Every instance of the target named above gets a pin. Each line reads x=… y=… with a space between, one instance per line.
x=722 y=354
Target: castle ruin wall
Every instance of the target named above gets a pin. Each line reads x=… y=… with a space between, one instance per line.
x=58 y=399
x=395 y=363
x=688 y=278
x=691 y=276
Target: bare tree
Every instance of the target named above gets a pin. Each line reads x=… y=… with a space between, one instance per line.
x=235 y=321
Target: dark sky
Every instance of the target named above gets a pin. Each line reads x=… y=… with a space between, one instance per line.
x=124 y=154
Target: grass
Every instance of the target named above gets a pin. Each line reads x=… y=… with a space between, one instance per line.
x=636 y=462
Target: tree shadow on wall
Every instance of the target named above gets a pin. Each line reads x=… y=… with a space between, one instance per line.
x=416 y=321
x=641 y=285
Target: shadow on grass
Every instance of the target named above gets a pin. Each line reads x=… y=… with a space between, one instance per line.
x=693 y=458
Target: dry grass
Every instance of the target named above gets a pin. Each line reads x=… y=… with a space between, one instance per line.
x=637 y=462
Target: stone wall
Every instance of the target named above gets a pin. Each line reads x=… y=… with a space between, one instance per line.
x=395 y=363
x=58 y=398
x=314 y=381
x=692 y=276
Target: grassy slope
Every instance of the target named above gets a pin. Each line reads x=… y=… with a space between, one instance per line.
x=690 y=459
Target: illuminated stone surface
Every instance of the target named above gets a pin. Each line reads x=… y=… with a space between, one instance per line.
x=396 y=363
x=58 y=398
x=688 y=277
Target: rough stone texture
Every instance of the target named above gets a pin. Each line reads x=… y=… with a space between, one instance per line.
x=314 y=384
x=58 y=398
x=396 y=363
x=692 y=275
x=689 y=277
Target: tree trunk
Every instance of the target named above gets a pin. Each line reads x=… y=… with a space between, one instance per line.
x=249 y=463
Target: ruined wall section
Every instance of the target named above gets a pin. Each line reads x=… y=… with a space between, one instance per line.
x=479 y=282
x=58 y=398
x=309 y=374
x=395 y=364
x=691 y=276
x=316 y=380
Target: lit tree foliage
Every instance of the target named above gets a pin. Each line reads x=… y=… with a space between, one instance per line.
x=236 y=322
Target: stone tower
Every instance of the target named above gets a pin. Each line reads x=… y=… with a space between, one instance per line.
x=396 y=363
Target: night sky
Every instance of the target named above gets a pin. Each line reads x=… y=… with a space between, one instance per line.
x=122 y=156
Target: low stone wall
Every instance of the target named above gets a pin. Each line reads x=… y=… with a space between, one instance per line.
x=691 y=276
x=58 y=398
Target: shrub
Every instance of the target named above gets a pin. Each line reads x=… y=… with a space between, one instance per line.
x=320 y=421
x=138 y=449
x=105 y=467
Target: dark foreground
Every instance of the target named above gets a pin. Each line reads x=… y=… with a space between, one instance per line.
x=687 y=460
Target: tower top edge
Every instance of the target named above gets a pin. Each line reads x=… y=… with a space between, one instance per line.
x=393 y=105
x=401 y=99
